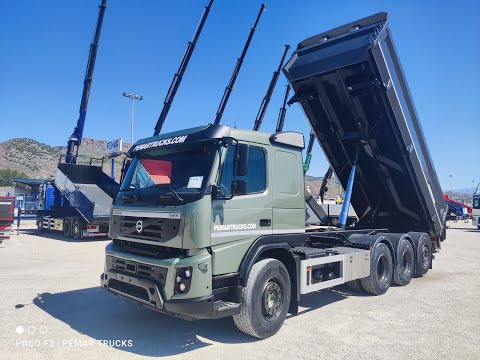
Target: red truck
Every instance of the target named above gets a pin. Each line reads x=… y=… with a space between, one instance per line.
x=7 y=204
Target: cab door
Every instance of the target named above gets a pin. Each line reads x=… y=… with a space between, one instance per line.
x=246 y=216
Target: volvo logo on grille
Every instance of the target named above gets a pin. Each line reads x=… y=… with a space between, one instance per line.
x=139 y=226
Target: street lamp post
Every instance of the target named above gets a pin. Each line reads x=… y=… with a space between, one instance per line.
x=451 y=186
x=133 y=98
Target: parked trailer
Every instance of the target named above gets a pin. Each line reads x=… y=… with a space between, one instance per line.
x=210 y=222
x=78 y=202
x=7 y=208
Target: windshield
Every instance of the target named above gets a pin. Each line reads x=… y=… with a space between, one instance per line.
x=170 y=173
x=476 y=202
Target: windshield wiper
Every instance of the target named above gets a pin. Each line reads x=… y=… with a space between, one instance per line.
x=131 y=196
x=175 y=193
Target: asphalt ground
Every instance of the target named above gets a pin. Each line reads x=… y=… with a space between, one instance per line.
x=51 y=307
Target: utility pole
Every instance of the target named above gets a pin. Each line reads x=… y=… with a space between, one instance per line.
x=133 y=98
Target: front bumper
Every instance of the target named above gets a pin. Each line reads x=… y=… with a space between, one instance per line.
x=147 y=293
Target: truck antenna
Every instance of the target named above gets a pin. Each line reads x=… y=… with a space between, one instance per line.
x=229 y=88
x=177 y=78
x=75 y=139
x=268 y=95
x=283 y=110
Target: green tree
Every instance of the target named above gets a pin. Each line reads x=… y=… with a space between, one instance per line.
x=7 y=174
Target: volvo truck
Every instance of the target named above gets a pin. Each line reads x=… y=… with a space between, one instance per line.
x=209 y=222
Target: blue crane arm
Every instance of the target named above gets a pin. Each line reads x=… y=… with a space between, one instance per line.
x=75 y=139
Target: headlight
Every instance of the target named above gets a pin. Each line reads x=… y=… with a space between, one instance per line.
x=183 y=280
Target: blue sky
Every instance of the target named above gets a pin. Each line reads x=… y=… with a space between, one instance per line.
x=45 y=47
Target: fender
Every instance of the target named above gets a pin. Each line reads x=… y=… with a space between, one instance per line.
x=372 y=240
x=265 y=243
x=396 y=239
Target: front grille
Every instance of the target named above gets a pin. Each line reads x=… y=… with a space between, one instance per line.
x=129 y=289
x=157 y=274
x=149 y=250
x=153 y=229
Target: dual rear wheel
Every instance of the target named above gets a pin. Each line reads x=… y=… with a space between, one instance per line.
x=72 y=228
x=383 y=272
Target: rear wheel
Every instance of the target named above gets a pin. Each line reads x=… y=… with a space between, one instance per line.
x=355 y=285
x=77 y=229
x=424 y=256
x=381 y=271
x=335 y=221
x=67 y=228
x=405 y=263
x=265 y=299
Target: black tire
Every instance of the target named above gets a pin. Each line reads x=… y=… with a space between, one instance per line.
x=381 y=271
x=40 y=223
x=405 y=263
x=355 y=285
x=265 y=299
x=77 y=229
x=67 y=228
x=423 y=261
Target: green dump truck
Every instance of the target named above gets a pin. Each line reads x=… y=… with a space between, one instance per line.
x=209 y=222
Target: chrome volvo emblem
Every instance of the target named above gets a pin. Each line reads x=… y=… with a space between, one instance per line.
x=139 y=226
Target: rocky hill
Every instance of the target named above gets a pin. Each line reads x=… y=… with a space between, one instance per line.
x=39 y=160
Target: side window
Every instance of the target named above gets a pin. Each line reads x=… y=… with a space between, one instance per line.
x=256 y=178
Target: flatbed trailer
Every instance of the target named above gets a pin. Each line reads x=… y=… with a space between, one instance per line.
x=209 y=222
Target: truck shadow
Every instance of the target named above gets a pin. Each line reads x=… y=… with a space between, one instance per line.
x=318 y=299
x=104 y=316
x=57 y=235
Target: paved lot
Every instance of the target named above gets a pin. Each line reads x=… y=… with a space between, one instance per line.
x=49 y=286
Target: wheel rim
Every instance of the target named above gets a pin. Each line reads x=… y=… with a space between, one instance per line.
x=406 y=261
x=425 y=254
x=382 y=269
x=272 y=299
x=75 y=229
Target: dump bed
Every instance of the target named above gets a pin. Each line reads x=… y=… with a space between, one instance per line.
x=88 y=189
x=353 y=91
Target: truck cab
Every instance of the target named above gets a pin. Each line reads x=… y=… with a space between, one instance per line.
x=189 y=208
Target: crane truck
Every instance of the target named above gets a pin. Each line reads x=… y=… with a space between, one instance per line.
x=209 y=222
x=79 y=200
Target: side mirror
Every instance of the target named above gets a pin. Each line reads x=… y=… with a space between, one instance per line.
x=242 y=159
x=240 y=187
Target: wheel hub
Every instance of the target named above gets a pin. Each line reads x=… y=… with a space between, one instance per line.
x=272 y=299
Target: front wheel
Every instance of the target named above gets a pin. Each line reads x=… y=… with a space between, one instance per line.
x=265 y=299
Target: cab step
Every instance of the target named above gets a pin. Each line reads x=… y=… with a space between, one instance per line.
x=225 y=308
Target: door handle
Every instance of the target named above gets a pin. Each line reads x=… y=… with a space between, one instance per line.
x=265 y=222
